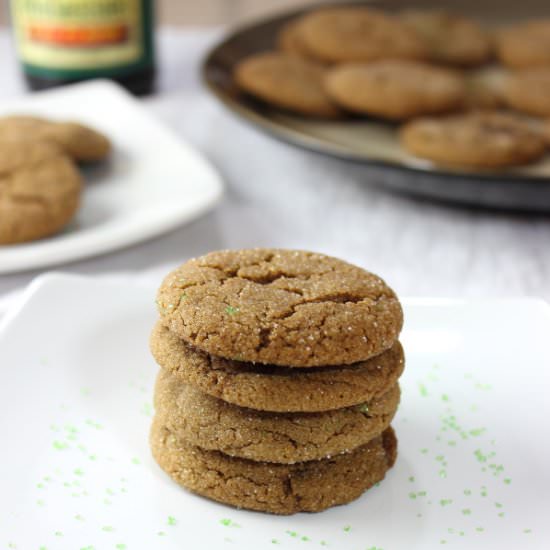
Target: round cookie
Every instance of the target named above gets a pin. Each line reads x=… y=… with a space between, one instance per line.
x=277 y=389
x=80 y=142
x=286 y=438
x=40 y=191
x=395 y=90
x=347 y=34
x=528 y=91
x=276 y=488
x=525 y=45
x=450 y=39
x=281 y=307
x=480 y=140
x=286 y=81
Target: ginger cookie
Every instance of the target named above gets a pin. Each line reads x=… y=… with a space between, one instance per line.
x=286 y=81
x=348 y=34
x=276 y=488
x=525 y=45
x=286 y=438
x=395 y=90
x=277 y=389
x=40 y=191
x=450 y=39
x=479 y=140
x=528 y=91
x=80 y=142
x=280 y=307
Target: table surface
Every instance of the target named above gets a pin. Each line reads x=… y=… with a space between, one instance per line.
x=279 y=196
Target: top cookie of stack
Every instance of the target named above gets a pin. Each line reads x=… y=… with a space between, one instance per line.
x=279 y=367
x=280 y=307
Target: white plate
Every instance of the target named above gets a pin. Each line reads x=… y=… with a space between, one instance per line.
x=153 y=183
x=76 y=388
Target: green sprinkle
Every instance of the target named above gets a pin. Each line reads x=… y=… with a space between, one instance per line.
x=87 y=548
x=484 y=387
x=423 y=390
x=92 y=457
x=183 y=296
x=78 y=472
x=461 y=533
x=230 y=310
x=347 y=528
x=85 y=391
x=480 y=529
x=108 y=528
x=12 y=545
x=477 y=432
x=161 y=534
x=483 y=492
x=363 y=408
x=40 y=502
x=498 y=504
x=412 y=496
x=305 y=539
x=274 y=541
x=443 y=473
x=421 y=493
x=323 y=543
x=527 y=531
x=292 y=533
x=445 y=501
x=171 y=520
x=411 y=479
x=79 y=517
x=451 y=443
x=466 y=512
x=58 y=534
x=444 y=397
x=480 y=456
x=442 y=541
x=120 y=546
x=40 y=486
x=507 y=481
x=60 y=445
x=424 y=451
x=501 y=515
x=440 y=458
x=136 y=460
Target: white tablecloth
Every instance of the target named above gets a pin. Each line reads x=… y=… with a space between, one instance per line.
x=279 y=196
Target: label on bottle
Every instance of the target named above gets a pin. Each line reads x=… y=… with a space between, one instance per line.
x=83 y=38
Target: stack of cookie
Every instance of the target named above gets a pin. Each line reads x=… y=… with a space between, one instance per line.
x=41 y=186
x=278 y=379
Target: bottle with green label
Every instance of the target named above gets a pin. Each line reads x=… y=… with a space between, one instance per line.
x=62 y=41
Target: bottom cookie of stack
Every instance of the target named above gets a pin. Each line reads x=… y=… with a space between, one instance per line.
x=309 y=486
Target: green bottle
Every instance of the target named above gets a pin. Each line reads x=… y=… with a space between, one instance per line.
x=63 y=41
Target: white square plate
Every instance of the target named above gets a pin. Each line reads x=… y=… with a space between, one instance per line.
x=77 y=379
x=152 y=183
